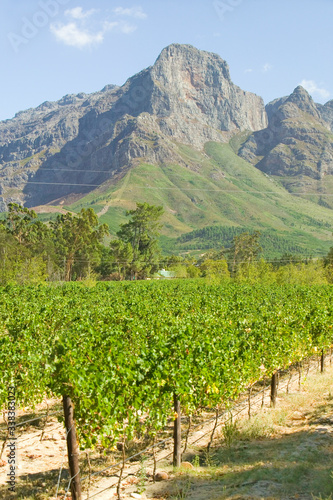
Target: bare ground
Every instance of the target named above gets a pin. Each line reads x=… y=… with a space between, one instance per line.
x=284 y=453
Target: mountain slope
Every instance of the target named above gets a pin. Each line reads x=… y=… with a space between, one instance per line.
x=216 y=188
x=296 y=147
x=182 y=135
x=80 y=142
x=326 y=112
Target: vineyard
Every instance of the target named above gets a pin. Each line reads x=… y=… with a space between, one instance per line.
x=129 y=356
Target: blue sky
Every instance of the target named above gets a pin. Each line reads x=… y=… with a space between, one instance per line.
x=50 y=48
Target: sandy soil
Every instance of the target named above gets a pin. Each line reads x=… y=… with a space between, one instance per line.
x=42 y=462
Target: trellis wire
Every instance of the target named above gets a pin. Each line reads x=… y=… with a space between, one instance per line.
x=242 y=404
x=61 y=467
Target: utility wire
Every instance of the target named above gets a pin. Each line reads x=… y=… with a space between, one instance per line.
x=270 y=261
x=232 y=191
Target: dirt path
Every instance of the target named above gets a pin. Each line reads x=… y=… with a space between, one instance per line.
x=270 y=456
x=283 y=453
x=118 y=197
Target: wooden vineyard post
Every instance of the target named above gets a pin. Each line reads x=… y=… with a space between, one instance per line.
x=177 y=433
x=187 y=433
x=72 y=448
x=214 y=429
x=322 y=361
x=249 y=401
x=122 y=468
x=154 y=458
x=263 y=395
x=274 y=383
x=299 y=374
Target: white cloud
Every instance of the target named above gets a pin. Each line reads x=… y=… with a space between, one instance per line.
x=85 y=28
x=77 y=13
x=70 y=34
x=249 y=70
x=108 y=26
x=266 y=67
x=136 y=12
x=127 y=28
x=312 y=87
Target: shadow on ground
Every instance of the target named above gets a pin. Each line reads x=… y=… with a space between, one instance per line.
x=295 y=466
x=35 y=486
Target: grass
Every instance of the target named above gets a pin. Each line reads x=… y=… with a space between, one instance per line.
x=274 y=243
x=238 y=140
x=215 y=188
x=37 y=156
x=218 y=189
x=279 y=453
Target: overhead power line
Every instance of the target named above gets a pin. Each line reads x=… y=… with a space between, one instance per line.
x=180 y=188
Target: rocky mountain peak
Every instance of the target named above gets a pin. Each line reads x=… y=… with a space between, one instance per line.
x=186 y=96
x=302 y=99
x=179 y=61
x=296 y=141
x=326 y=112
x=192 y=91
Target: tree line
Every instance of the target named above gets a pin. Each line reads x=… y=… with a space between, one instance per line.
x=213 y=237
x=77 y=247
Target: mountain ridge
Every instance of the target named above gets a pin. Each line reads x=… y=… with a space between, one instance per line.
x=181 y=134
x=297 y=145
x=187 y=96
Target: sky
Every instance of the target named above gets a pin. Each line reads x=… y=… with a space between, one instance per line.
x=50 y=48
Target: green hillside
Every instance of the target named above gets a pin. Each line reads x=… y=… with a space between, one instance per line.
x=216 y=188
x=214 y=196
x=273 y=243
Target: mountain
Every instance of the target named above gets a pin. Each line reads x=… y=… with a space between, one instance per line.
x=296 y=147
x=179 y=134
x=82 y=141
x=326 y=112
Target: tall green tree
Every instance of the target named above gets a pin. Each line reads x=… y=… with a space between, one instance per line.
x=215 y=270
x=24 y=246
x=122 y=257
x=18 y=264
x=256 y=272
x=245 y=250
x=142 y=233
x=25 y=227
x=328 y=265
x=77 y=240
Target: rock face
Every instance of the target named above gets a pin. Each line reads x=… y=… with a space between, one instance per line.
x=82 y=141
x=195 y=99
x=297 y=141
x=326 y=113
